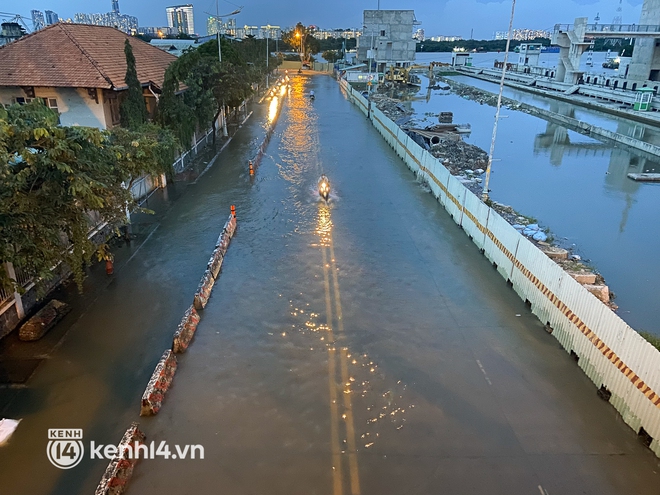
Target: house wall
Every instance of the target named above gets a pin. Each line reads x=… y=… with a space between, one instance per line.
x=74 y=105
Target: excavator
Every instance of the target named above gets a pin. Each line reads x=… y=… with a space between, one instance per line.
x=401 y=75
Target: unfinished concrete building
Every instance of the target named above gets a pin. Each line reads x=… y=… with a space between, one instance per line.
x=645 y=63
x=387 y=39
x=574 y=39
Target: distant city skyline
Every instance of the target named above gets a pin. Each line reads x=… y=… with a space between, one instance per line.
x=438 y=17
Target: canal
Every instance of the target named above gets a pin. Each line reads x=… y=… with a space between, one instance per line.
x=572 y=184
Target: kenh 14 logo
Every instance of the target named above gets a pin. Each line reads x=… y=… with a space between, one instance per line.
x=65 y=447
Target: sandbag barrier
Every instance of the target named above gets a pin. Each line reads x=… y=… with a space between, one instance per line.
x=185 y=331
x=204 y=291
x=215 y=263
x=160 y=382
x=120 y=469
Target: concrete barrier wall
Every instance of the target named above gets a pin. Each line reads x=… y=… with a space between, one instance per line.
x=615 y=357
x=159 y=384
x=186 y=330
x=120 y=469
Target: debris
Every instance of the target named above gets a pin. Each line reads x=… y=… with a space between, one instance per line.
x=37 y=326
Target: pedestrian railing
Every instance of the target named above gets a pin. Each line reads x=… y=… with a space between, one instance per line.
x=187 y=157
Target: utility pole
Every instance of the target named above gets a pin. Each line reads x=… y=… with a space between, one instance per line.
x=219 y=22
x=484 y=195
x=267 y=53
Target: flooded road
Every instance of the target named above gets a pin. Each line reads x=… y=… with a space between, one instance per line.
x=575 y=185
x=364 y=346
x=359 y=346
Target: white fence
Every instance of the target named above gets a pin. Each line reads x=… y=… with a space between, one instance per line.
x=186 y=158
x=613 y=355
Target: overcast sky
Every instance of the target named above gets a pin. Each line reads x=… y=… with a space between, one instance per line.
x=438 y=17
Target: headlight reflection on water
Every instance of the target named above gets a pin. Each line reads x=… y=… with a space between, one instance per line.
x=272 y=109
x=324 y=225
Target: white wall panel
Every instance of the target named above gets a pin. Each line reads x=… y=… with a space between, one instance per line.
x=475 y=215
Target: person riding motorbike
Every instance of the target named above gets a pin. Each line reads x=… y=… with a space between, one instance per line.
x=311 y=94
x=324 y=187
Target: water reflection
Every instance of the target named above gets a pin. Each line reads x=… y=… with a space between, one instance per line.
x=273 y=109
x=574 y=184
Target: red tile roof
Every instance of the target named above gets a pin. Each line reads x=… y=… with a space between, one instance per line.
x=79 y=56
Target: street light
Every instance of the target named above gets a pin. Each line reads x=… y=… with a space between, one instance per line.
x=298 y=35
x=484 y=195
x=267 y=52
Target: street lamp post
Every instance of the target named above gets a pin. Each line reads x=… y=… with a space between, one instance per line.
x=484 y=194
x=267 y=53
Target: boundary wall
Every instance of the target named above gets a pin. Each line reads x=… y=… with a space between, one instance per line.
x=621 y=363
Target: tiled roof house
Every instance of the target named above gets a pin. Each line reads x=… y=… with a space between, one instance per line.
x=79 y=70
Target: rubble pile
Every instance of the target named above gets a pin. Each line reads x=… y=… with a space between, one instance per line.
x=459 y=156
x=483 y=97
x=390 y=106
x=468 y=163
x=571 y=263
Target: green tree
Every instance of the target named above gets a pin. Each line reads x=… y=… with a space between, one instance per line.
x=133 y=110
x=51 y=180
x=302 y=40
x=211 y=84
x=331 y=56
x=149 y=150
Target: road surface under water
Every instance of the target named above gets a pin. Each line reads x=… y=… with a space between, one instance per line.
x=364 y=346
x=359 y=346
x=575 y=185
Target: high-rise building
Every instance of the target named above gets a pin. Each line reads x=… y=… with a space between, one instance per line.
x=123 y=22
x=181 y=17
x=446 y=38
x=523 y=34
x=419 y=35
x=213 y=25
x=158 y=31
x=51 y=18
x=38 y=21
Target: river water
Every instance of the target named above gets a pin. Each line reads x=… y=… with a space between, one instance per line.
x=572 y=184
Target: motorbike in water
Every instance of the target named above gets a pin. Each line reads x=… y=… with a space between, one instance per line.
x=324 y=187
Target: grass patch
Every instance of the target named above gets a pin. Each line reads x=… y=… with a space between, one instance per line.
x=654 y=340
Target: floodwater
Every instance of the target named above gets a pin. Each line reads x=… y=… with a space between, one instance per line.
x=359 y=346
x=575 y=185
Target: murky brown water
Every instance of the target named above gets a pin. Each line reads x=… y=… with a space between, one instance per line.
x=363 y=346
